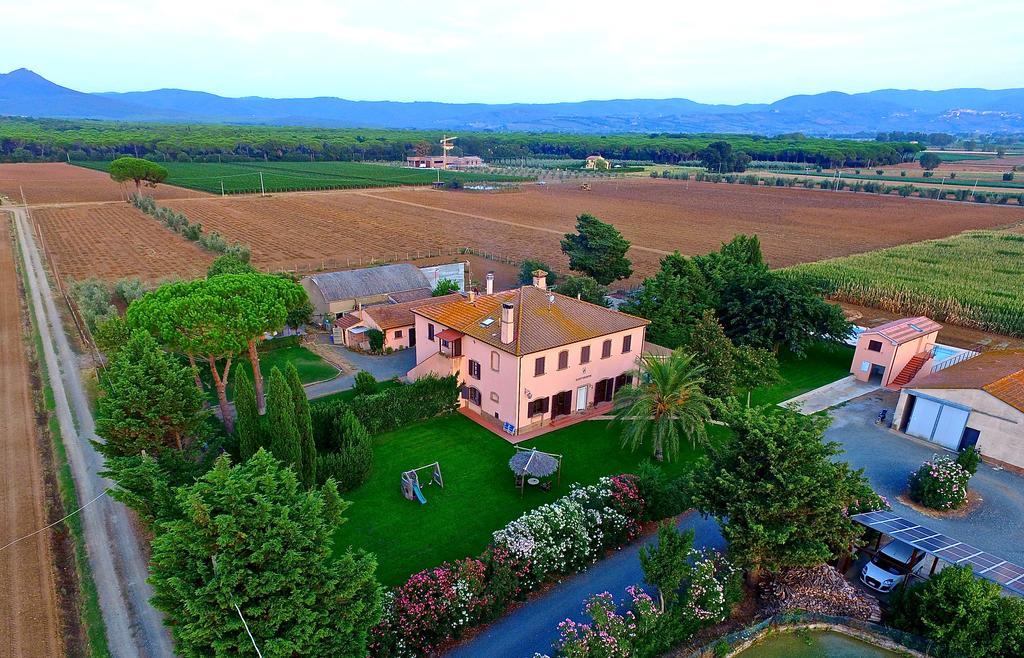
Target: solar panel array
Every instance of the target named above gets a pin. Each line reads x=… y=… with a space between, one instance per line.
x=986 y=565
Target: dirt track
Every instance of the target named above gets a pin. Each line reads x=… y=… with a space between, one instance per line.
x=29 y=611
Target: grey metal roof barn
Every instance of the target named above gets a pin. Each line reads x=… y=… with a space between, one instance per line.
x=367 y=282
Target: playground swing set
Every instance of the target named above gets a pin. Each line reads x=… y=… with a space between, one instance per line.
x=411 y=481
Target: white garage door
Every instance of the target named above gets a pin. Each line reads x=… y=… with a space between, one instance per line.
x=922 y=418
x=950 y=427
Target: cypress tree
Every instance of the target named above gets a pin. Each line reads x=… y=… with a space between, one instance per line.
x=282 y=433
x=248 y=422
x=304 y=425
x=712 y=349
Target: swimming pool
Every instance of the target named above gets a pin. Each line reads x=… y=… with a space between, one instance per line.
x=943 y=352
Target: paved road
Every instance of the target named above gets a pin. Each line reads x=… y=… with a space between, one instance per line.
x=888 y=458
x=533 y=627
x=134 y=628
x=381 y=367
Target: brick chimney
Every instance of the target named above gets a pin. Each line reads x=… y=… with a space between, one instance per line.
x=540 y=279
x=472 y=295
x=490 y=283
x=508 y=323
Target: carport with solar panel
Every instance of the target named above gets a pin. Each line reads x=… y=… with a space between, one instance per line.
x=1006 y=574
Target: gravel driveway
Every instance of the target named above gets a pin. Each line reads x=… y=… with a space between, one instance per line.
x=888 y=458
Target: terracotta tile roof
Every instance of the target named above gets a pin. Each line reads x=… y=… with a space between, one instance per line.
x=539 y=324
x=904 y=330
x=1000 y=373
x=409 y=295
x=656 y=350
x=346 y=321
x=450 y=334
x=391 y=316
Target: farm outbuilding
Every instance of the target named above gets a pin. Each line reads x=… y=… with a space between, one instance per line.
x=978 y=401
x=334 y=293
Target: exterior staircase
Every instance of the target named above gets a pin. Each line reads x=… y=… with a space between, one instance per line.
x=910 y=370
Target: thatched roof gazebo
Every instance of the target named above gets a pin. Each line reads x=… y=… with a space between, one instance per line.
x=530 y=463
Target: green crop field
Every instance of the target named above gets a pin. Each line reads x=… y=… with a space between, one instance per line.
x=972 y=279
x=244 y=177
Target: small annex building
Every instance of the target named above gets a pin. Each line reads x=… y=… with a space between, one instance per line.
x=977 y=401
x=335 y=293
x=891 y=354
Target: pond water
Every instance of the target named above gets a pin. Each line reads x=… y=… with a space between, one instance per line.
x=813 y=644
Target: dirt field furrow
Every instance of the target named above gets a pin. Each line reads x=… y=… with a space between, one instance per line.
x=29 y=613
x=56 y=182
x=306 y=230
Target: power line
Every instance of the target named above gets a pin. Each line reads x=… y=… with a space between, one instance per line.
x=9 y=544
x=251 y=638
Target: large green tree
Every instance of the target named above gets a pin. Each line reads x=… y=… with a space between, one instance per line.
x=598 y=250
x=665 y=406
x=584 y=287
x=264 y=301
x=965 y=615
x=139 y=170
x=248 y=422
x=250 y=543
x=930 y=161
x=672 y=300
x=713 y=350
x=281 y=429
x=147 y=401
x=770 y=310
x=667 y=564
x=229 y=264
x=778 y=493
x=719 y=157
x=304 y=425
x=200 y=321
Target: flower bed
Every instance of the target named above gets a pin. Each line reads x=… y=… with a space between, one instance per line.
x=436 y=606
x=940 y=483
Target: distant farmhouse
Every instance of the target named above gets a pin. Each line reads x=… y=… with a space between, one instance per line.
x=441 y=162
x=597 y=162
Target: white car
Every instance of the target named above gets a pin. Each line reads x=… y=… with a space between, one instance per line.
x=890 y=566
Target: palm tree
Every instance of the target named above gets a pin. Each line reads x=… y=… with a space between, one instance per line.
x=666 y=404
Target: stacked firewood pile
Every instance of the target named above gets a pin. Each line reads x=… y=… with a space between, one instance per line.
x=822 y=590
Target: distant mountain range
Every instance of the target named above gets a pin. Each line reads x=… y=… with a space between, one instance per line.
x=25 y=93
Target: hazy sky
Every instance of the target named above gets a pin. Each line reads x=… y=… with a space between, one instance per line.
x=711 y=51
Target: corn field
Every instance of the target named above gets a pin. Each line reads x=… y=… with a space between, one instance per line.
x=974 y=279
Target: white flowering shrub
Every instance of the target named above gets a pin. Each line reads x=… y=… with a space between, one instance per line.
x=571 y=532
x=707 y=599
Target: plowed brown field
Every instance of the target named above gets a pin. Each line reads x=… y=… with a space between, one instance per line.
x=658 y=217
x=28 y=599
x=111 y=241
x=56 y=182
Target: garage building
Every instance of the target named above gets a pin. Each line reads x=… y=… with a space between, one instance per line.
x=978 y=401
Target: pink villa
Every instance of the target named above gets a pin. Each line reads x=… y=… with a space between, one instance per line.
x=893 y=353
x=528 y=357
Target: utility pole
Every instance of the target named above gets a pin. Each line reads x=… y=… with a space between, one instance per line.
x=263 y=191
x=222 y=187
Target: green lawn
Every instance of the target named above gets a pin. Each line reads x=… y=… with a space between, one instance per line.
x=310 y=366
x=824 y=364
x=478 y=495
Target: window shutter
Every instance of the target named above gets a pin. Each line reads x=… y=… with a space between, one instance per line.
x=585 y=354
x=563 y=359
x=538 y=366
x=606 y=349
x=627 y=343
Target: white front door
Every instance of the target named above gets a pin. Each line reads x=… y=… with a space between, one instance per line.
x=581 y=398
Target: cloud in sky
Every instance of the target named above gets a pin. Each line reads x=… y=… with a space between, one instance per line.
x=528 y=51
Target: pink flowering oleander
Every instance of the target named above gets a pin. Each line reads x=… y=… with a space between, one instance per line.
x=940 y=483
x=611 y=634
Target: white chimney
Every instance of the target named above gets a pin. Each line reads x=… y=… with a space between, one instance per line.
x=490 y=283
x=508 y=323
x=540 y=279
